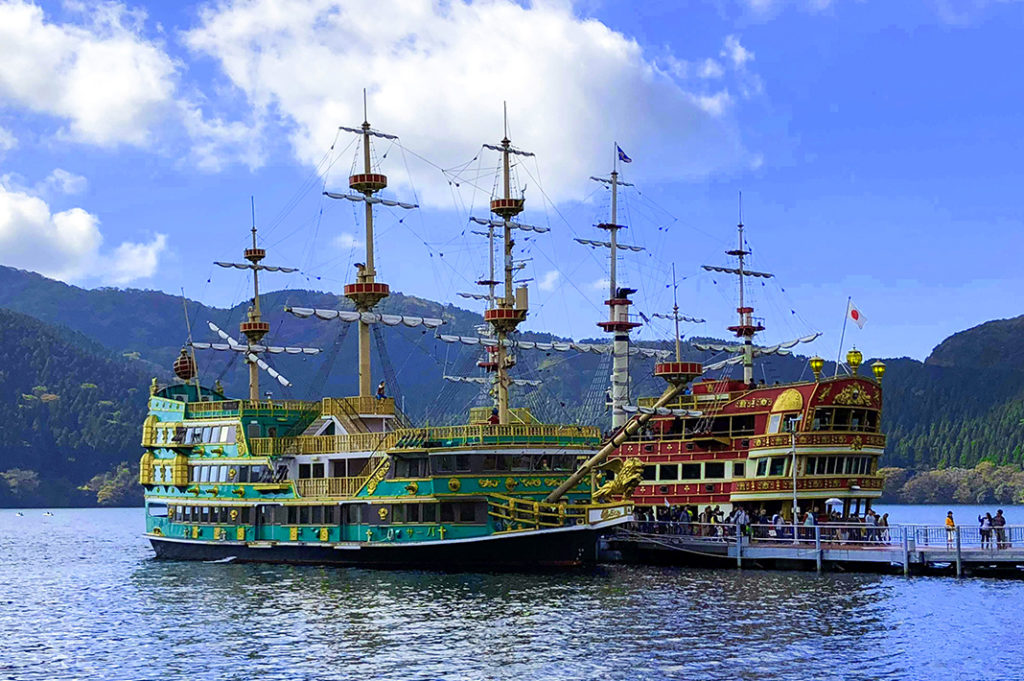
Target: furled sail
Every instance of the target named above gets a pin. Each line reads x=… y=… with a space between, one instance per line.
x=365 y=317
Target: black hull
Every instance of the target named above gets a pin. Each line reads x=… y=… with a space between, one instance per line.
x=514 y=552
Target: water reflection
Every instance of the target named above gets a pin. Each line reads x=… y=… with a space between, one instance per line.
x=83 y=599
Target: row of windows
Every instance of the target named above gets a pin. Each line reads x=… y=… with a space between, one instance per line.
x=834 y=465
x=464 y=463
x=195 y=435
x=838 y=418
x=776 y=465
x=222 y=473
x=706 y=470
x=465 y=512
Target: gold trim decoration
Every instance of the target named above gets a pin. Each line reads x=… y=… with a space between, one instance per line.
x=854 y=395
x=234 y=514
x=510 y=484
x=487 y=482
x=378 y=475
x=629 y=476
x=824 y=392
x=857 y=443
x=412 y=488
x=382 y=512
x=454 y=484
x=240 y=533
x=157 y=531
x=789 y=400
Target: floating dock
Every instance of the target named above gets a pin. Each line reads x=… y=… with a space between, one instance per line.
x=910 y=549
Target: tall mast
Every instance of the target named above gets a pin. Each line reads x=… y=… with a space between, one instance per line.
x=366 y=292
x=507 y=312
x=618 y=302
x=747 y=327
x=675 y=316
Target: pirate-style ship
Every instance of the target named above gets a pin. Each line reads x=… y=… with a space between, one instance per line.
x=343 y=481
x=805 y=445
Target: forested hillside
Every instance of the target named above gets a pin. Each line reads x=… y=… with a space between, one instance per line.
x=74 y=378
x=68 y=410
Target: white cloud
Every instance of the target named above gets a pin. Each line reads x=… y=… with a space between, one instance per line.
x=105 y=80
x=715 y=104
x=63 y=182
x=710 y=69
x=548 y=281
x=736 y=53
x=601 y=284
x=7 y=141
x=67 y=245
x=346 y=241
x=437 y=74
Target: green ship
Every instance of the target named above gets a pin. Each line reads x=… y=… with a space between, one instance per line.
x=346 y=481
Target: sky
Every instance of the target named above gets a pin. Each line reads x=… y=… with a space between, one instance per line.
x=876 y=146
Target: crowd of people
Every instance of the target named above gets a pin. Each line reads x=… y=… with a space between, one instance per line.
x=991 y=528
x=760 y=524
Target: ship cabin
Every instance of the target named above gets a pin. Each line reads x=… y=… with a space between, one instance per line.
x=752 y=443
x=345 y=470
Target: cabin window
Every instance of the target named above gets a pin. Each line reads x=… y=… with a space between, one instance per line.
x=253 y=430
x=762 y=468
x=738 y=470
x=497 y=462
x=447 y=512
x=304 y=515
x=158 y=473
x=444 y=463
x=650 y=473
x=521 y=462
x=204 y=514
x=158 y=510
x=714 y=470
x=830 y=467
x=822 y=419
x=409 y=468
x=691 y=471
x=304 y=469
x=204 y=474
x=428 y=513
x=668 y=472
x=241 y=474
x=207 y=434
x=318 y=470
x=778 y=466
x=743 y=425
x=245 y=514
x=159 y=436
x=352 y=514
x=774 y=422
x=462 y=463
x=405 y=513
x=467 y=513
x=317 y=515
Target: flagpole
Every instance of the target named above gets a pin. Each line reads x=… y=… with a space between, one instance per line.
x=842 y=335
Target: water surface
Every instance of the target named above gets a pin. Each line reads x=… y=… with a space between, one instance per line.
x=81 y=597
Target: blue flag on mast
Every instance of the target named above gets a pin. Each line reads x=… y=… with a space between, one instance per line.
x=622 y=155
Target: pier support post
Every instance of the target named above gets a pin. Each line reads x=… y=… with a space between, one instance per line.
x=906 y=551
x=817 y=547
x=739 y=546
x=959 y=562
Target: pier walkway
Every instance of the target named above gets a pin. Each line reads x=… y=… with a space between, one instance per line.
x=912 y=549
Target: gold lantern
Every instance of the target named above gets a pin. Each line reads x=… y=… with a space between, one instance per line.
x=878 y=369
x=817 y=364
x=854 y=359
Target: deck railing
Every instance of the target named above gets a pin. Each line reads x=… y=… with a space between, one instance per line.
x=321 y=444
x=512 y=514
x=494 y=434
x=221 y=407
x=330 y=487
x=348 y=406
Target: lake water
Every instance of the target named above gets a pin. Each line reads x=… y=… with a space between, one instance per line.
x=81 y=597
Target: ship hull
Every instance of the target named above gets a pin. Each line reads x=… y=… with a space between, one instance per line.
x=534 y=550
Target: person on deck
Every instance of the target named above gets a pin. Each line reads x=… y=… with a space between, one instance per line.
x=380 y=390
x=950 y=529
x=999 y=524
x=494 y=419
x=985 y=529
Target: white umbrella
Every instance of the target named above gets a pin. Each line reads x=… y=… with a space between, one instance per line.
x=833 y=500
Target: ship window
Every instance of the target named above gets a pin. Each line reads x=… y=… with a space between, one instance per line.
x=467 y=513
x=774 y=422
x=159 y=436
x=304 y=471
x=447 y=512
x=762 y=467
x=778 y=466
x=650 y=472
x=158 y=510
x=743 y=425
x=496 y=462
x=428 y=513
x=830 y=465
x=207 y=434
x=462 y=463
x=691 y=471
x=316 y=515
x=444 y=463
x=668 y=472
x=521 y=462
x=246 y=515
x=223 y=477
x=352 y=514
x=204 y=474
x=738 y=470
x=317 y=471
x=158 y=473
x=243 y=474
x=253 y=430
x=304 y=515
x=714 y=470
x=204 y=514
x=822 y=419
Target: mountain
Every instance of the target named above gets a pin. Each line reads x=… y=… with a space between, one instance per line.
x=69 y=408
x=963 y=405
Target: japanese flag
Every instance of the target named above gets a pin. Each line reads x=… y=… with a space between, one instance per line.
x=855 y=315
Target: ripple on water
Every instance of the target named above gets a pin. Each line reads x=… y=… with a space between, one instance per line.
x=82 y=598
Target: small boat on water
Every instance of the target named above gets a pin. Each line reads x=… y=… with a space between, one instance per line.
x=349 y=481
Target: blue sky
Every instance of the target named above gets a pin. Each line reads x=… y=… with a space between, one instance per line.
x=876 y=144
